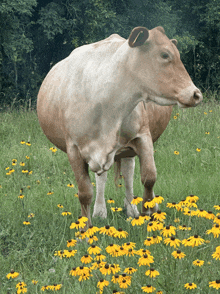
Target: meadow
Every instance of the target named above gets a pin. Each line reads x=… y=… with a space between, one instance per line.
x=39 y=252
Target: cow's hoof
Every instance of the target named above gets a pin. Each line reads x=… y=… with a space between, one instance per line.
x=100 y=211
x=132 y=210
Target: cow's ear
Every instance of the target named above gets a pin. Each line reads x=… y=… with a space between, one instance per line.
x=174 y=41
x=138 y=36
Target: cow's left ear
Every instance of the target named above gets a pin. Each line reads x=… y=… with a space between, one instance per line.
x=138 y=36
x=174 y=41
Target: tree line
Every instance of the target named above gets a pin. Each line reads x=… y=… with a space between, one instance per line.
x=34 y=35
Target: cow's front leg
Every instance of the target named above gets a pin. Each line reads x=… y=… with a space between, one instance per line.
x=100 y=206
x=85 y=188
x=145 y=152
x=127 y=169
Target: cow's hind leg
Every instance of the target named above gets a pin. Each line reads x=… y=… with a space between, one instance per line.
x=85 y=188
x=127 y=169
x=145 y=152
x=100 y=206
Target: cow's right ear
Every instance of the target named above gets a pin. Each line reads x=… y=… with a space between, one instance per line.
x=138 y=36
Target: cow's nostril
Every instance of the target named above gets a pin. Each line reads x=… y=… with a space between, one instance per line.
x=197 y=95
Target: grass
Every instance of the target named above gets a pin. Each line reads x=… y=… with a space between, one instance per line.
x=30 y=249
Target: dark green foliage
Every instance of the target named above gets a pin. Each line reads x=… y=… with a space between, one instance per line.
x=34 y=35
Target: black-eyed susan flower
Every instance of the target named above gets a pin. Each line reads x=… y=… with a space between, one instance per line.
x=53 y=149
x=217 y=219
x=12 y=274
x=116 y=209
x=73 y=271
x=198 y=262
x=149 y=203
x=159 y=292
x=192 y=198
x=21 y=196
x=215 y=284
x=156 y=239
x=159 y=215
x=115 y=268
x=31 y=215
x=70 y=185
x=158 y=199
x=34 y=282
x=66 y=213
x=102 y=283
x=129 y=245
x=130 y=270
x=205 y=112
x=26 y=223
x=215 y=230
x=172 y=205
x=124 y=281
x=120 y=233
x=69 y=253
x=91 y=231
x=145 y=259
x=176 y=152
x=178 y=254
x=198 y=149
x=216 y=254
x=76 y=195
x=71 y=243
x=148 y=289
x=107 y=230
x=77 y=225
x=60 y=205
x=22 y=163
x=130 y=252
x=154 y=226
x=111 y=201
x=111 y=248
x=92 y=239
x=195 y=241
x=175 y=117
x=201 y=213
x=184 y=228
x=172 y=241
x=136 y=200
x=152 y=273
x=217 y=207
x=190 y=286
x=207 y=133
x=50 y=193
x=22 y=142
x=21 y=287
x=210 y=215
x=105 y=269
x=142 y=252
x=93 y=249
x=149 y=241
x=86 y=259
x=137 y=221
x=27 y=157
x=100 y=257
x=28 y=144
x=168 y=231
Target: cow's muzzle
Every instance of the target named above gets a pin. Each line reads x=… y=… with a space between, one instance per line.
x=190 y=97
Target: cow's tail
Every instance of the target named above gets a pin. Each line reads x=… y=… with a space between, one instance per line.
x=117 y=170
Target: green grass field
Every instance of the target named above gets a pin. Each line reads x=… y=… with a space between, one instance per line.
x=29 y=249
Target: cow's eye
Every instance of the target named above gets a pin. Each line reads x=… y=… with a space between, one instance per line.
x=164 y=55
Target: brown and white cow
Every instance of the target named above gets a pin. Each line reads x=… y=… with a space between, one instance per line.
x=85 y=99
x=152 y=120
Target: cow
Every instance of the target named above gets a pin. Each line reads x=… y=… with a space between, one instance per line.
x=152 y=120
x=86 y=97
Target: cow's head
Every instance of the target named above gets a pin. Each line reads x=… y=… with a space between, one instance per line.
x=155 y=62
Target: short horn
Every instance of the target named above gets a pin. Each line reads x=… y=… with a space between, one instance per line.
x=138 y=36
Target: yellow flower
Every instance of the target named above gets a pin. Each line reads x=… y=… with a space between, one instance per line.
x=149 y=241
x=102 y=283
x=198 y=262
x=77 y=225
x=184 y=228
x=172 y=241
x=50 y=193
x=70 y=185
x=190 y=286
x=26 y=223
x=116 y=209
x=100 y=257
x=175 y=117
x=149 y=203
x=148 y=289
x=111 y=201
x=154 y=226
x=158 y=199
x=130 y=270
x=159 y=215
x=93 y=249
x=107 y=230
x=12 y=274
x=31 y=215
x=176 y=152
x=198 y=149
x=216 y=254
x=22 y=142
x=64 y=213
x=120 y=233
x=195 y=241
x=27 y=157
x=21 y=196
x=215 y=230
x=22 y=163
x=60 y=205
x=124 y=281
x=207 y=133
x=86 y=259
x=168 y=231
x=205 y=112
x=28 y=144
x=76 y=195
x=217 y=207
x=34 y=282
x=146 y=259
x=178 y=254
x=215 y=284
x=91 y=231
x=137 y=221
x=53 y=149
x=152 y=273
x=136 y=200
x=93 y=184
x=105 y=269
x=71 y=243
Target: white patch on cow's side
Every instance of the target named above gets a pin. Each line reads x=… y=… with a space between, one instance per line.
x=127 y=169
x=100 y=206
